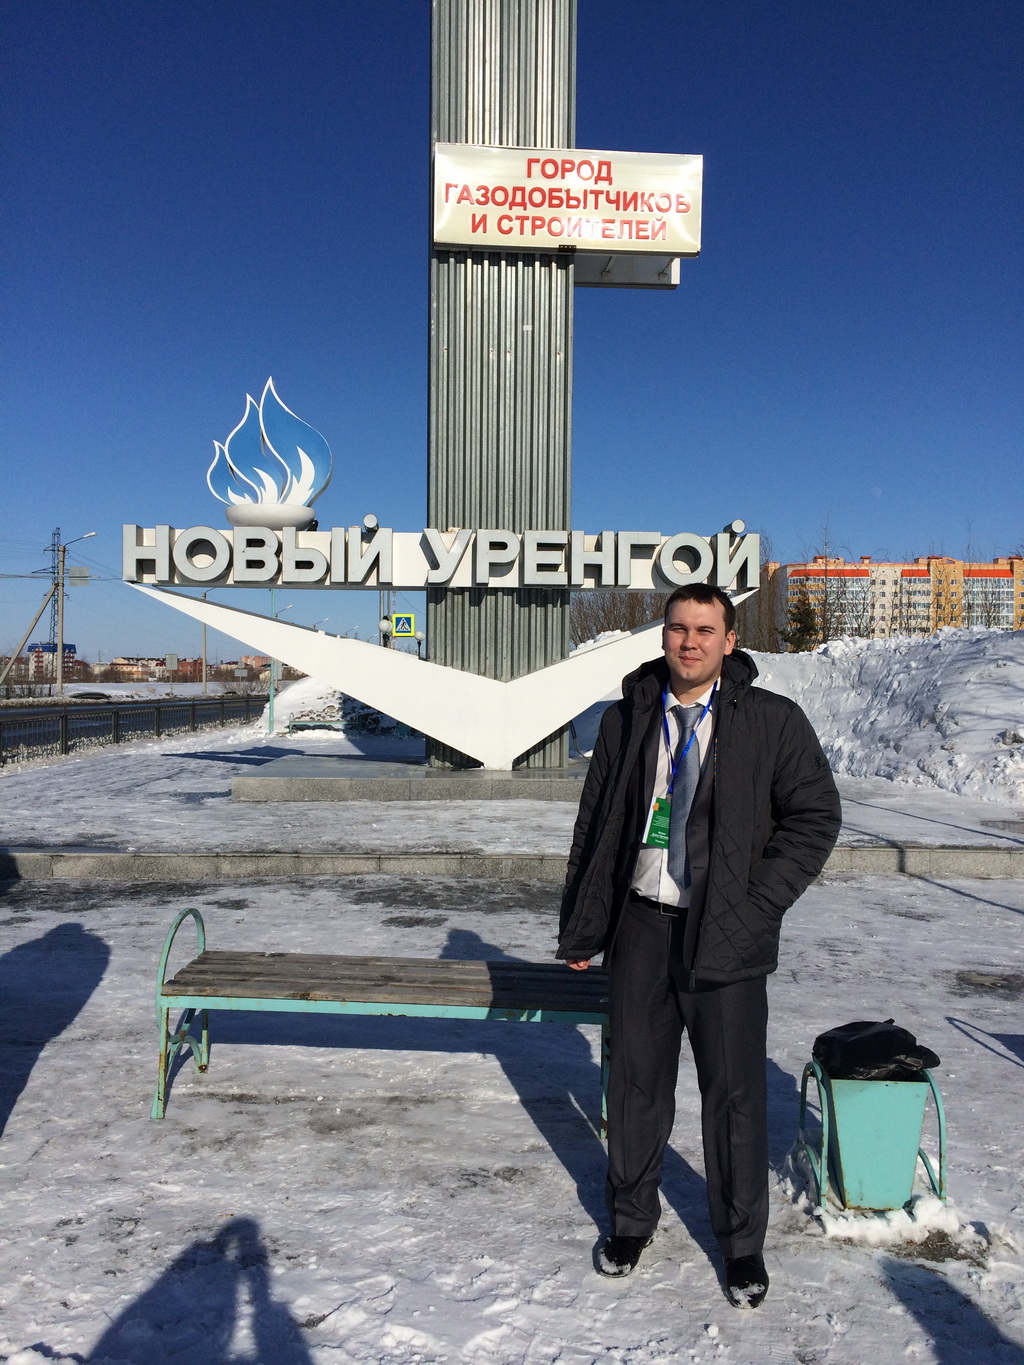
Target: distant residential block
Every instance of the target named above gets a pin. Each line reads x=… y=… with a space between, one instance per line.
x=870 y=598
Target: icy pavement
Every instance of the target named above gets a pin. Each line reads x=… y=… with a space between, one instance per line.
x=174 y=795
x=336 y=1192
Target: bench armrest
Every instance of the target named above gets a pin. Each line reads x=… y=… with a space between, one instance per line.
x=161 y=971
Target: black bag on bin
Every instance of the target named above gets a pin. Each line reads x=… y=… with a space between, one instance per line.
x=871 y=1051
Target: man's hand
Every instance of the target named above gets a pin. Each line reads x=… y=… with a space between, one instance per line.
x=579 y=964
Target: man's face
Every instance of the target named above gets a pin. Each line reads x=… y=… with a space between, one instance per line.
x=695 y=642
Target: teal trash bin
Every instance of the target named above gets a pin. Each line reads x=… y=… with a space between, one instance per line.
x=870 y=1139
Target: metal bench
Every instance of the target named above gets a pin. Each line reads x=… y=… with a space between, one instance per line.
x=294 y=725
x=325 y=983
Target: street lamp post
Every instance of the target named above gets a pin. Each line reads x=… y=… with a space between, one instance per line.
x=273 y=670
x=384 y=626
x=419 y=638
x=61 y=553
x=204 y=652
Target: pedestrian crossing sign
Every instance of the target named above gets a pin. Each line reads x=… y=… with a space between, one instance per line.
x=403 y=625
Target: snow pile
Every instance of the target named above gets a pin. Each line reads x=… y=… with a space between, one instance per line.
x=925 y=1216
x=305 y=699
x=944 y=711
x=310 y=700
x=602 y=639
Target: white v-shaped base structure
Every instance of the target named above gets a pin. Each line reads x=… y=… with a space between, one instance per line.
x=493 y=722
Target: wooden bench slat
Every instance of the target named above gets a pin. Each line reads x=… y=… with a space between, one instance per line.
x=406 y=969
x=438 y=981
x=369 y=964
x=557 y=980
x=436 y=971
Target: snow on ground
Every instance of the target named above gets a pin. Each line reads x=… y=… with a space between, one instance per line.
x=355 y=1192
x=174 y=794
x=369 y=1191
x=944 y=711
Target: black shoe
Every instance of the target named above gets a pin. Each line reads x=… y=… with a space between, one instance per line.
x=746 y=1281
x=619 y=1255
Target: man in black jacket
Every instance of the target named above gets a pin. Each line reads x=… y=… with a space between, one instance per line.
x=707 y=811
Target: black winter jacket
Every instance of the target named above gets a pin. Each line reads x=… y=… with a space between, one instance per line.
x=765 y=817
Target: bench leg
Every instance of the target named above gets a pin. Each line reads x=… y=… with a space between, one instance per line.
x=171 y=1045
x=605 y=1064
x=160 y=1098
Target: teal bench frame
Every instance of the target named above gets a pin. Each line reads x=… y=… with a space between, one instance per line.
x=183 y=1037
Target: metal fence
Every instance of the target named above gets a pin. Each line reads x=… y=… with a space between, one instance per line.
x=41 y=732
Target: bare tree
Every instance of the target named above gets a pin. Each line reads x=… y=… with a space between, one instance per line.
x=761 y=618
x=901 y=617
x=593 y=613
x=841 y=602
x=832 y=605
x=983 y=602
x=982 y=597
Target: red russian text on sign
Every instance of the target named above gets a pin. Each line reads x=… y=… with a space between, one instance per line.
x=554 y=200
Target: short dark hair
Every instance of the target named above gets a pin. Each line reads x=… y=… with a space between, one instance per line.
x=705 y=593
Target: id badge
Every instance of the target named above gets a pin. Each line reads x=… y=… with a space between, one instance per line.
x=656 y=832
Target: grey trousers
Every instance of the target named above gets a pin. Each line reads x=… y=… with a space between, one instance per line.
x=727 y=1025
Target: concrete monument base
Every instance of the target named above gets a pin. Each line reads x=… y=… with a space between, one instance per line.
x=308 y=777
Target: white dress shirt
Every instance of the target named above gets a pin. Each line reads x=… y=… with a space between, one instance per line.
x=650 y=871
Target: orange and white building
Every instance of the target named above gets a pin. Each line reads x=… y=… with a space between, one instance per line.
x=872 y=598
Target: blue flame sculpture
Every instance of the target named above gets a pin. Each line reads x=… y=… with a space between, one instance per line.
x=272 y=467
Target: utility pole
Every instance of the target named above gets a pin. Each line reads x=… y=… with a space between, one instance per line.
x=61 y=552
x=59 y=583
x=54 y=574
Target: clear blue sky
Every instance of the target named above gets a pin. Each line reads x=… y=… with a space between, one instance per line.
x=201 y=195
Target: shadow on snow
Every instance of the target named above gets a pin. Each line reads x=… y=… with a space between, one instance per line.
x=1012 y=1042
x=959 y=1333
x=44 y=985
x=193 y=1310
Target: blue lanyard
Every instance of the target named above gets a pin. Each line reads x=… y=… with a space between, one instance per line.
x=693 y=734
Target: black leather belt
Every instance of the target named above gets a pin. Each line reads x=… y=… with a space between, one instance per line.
x=671 y=911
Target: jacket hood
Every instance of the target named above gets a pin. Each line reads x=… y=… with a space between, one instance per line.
x=738 y=669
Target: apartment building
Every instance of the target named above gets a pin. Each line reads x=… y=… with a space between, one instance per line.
x=42 y=661
x=880 y=598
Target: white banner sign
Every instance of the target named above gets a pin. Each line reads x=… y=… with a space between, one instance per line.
x=540 y=199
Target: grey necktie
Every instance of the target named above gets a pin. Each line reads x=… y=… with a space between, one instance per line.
x=683 y=789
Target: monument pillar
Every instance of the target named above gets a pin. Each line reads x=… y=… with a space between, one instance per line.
x=503 y=73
